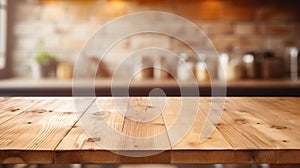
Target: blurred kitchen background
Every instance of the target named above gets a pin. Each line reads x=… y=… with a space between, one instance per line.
x=257 y=40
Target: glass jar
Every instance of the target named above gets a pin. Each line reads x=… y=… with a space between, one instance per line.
x=250 y=65
x=64 y=71
x=143 y=68
x=201 y=71
x=160 y=71
x=293 y=54
x=229 y=69
x=185 y=69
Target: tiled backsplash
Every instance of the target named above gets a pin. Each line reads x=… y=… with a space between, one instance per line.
x=65 y=26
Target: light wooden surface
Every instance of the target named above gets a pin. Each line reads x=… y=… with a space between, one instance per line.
x=50 y=130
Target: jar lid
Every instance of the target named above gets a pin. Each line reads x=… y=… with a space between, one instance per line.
x=201 y=65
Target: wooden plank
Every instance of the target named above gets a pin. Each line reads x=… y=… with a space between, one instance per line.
x=241 y=134
x=12 y=106
x=247 y=141
x=37 y=131
x=146 y=133
x=202 y=156
x=252 y=130
x=272 y=120
x=26 y=157
x=283 y=111
x=79 y=146
x=259 y=128
x=253 y=157
x=289 y=156
x=190 y=149
x=238 y=131
x=119 y=141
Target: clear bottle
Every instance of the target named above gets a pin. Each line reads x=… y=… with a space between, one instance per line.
x=250 y=65
x=185 y=69
x=160 y=71
x=64 y=71
x=229 y=69
x=222 y=67
x=293 y=53
x=201 y=70
x=142 y=68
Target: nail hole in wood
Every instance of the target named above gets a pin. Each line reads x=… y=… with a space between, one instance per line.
x=159 y=123
x=240 y=121
x=95 y=139
x=278 y=127
x=101 y=113
x=67 y=113
x=38 y=111
x=192 y=143
x=13 y=110
x=242 y=111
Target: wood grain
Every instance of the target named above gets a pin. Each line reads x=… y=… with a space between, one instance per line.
x=49 y=130
x=101 y=113
x=261 y=123
x=269 y=117
x=12 y=106
x=39 y=129
x=190 y=149
x=118 y=134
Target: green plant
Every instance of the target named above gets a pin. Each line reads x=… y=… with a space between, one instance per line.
x=44 y=58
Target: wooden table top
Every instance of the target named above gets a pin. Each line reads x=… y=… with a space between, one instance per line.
x=48 y=130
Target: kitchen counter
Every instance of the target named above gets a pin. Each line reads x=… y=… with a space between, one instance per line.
x=53 y=87
x=48 y=130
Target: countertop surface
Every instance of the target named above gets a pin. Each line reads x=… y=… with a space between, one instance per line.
x=102 y=87
x=106 y=82
x=108 y=130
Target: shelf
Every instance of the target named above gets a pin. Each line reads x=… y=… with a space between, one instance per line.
x=54 y=87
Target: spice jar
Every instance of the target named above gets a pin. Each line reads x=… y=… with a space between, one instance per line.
x=251 y=65
x=223 y=64
x=229 y=69
x=201 y=71
x=143 y=68
x=268 y=59
x=234 y=70
x=185 y=69
x=64 y=71
x=294 y=63
x=270 y=66
x=160 y=68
